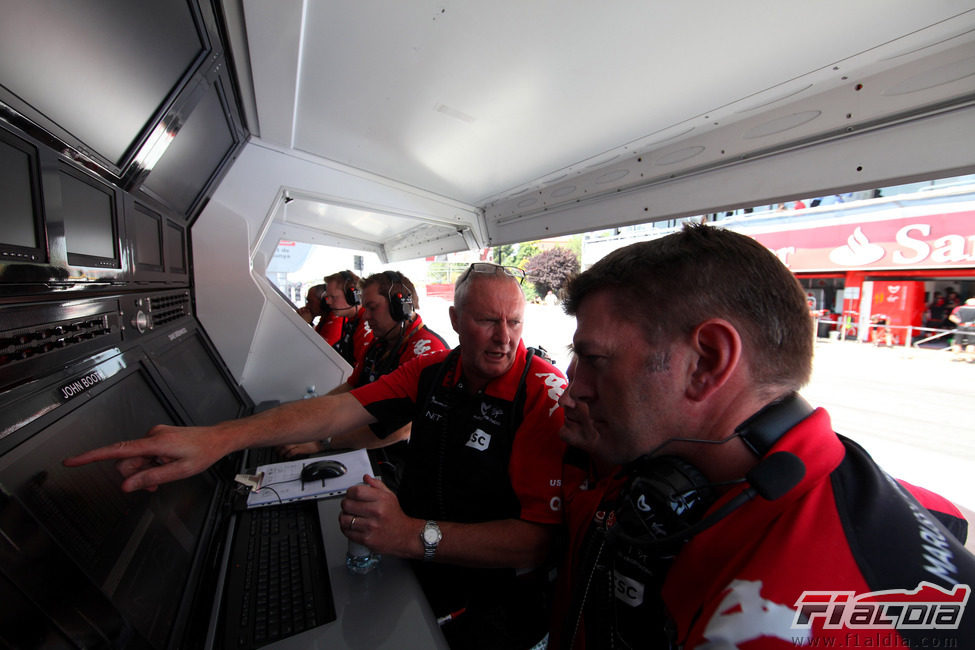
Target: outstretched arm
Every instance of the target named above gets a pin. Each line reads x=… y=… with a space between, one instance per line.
x=169 y=453
x=358 y=438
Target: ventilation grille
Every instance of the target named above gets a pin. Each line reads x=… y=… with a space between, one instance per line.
x=34 y=342
x=168 y=308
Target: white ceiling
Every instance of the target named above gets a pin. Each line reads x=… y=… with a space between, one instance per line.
x=512 y=120
x=471 y=100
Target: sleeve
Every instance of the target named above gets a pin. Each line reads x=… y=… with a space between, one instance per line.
x=943 y=510
x=536 y=456
x=330 y=328
x=425 y=341
x=391 y=399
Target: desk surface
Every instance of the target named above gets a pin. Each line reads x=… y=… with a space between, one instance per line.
x=382 y=609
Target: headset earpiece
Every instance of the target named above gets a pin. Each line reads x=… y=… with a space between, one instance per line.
x=353 y=296
x=664 y=497
x=400 y=298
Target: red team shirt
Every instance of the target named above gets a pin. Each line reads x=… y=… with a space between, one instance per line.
x=534 y=465
x=417 y=341
x=845 y=530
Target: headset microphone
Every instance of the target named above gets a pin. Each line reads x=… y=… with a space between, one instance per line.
x=770 y=479
x=776 y=474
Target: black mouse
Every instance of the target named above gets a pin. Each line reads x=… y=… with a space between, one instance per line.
x=322 y=469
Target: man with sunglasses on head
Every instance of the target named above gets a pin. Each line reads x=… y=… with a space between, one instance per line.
x=480 y=497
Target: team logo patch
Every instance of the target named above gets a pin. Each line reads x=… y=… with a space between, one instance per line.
x=479 y=440
x=627 y=589
x=491 y=413
x=556 y=385
x=421 y=347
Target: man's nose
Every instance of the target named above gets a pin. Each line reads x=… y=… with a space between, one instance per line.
x=580 y=387
x=567 y=400
x=502 y=332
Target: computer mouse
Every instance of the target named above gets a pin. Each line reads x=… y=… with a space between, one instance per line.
x=322 y=469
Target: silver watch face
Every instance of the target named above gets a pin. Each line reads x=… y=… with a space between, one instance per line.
x=431 y=535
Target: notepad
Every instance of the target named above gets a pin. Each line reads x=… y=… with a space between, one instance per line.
x=281 y=482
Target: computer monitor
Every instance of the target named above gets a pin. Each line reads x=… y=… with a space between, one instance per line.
x=145 y=231
x=176 y=248
x=99 y=562
x=192 y=372
x=21 y=227
x=90 y=215
x=97 y=75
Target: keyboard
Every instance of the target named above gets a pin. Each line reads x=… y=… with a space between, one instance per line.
x=278 y=583
x=264 y=456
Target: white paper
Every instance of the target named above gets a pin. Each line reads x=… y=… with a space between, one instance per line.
x=282 y=481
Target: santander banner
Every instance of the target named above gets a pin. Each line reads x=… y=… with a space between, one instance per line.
x=917 y=242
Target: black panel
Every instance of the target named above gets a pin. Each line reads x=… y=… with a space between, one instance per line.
x=24 y=625
x=194 y=375
x=97 y=74
x=145 y=231
x=136 y=550
x=204 y=142
x=175 y=248
x=38 y=339
x=21 y=231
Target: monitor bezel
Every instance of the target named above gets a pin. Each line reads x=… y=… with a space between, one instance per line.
x=114 y=263
x=14 y=253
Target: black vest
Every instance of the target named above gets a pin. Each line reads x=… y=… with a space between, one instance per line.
x=345 y=346
x=459 y=450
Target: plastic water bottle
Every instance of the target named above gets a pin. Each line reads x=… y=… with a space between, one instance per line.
x=361 y=559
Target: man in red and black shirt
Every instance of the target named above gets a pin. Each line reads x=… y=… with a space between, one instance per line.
x=737 y=518
x=389 y=305
x=481 y=488
x=343 y=294
x=328 y=325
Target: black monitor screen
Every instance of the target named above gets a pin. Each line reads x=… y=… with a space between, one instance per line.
x=137 y=548
x=99 y=70
x=175 y=248
x=147 y=238
x=195 y=155
x=16 y=199
x=193 y=375
x=89 y=222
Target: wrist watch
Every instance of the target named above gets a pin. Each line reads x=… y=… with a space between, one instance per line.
x=430 y=536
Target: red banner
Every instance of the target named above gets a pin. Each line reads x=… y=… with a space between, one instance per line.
x=920 y=242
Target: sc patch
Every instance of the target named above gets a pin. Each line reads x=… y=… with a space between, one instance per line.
x=479 y=440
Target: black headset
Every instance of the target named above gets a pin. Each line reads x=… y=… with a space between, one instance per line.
x=353 y=296
x=400 y=298
x=662 y=503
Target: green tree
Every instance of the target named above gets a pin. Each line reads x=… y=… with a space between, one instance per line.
x=549 y=270
x=515 y=254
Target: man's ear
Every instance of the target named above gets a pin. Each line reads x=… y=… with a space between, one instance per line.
x=453 y=318
x=718 y=347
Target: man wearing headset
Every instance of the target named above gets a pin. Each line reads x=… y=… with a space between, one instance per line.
x=343 y=296
x=739 y=519
x=480 y=498
x=397 y=334
x=328 y=325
